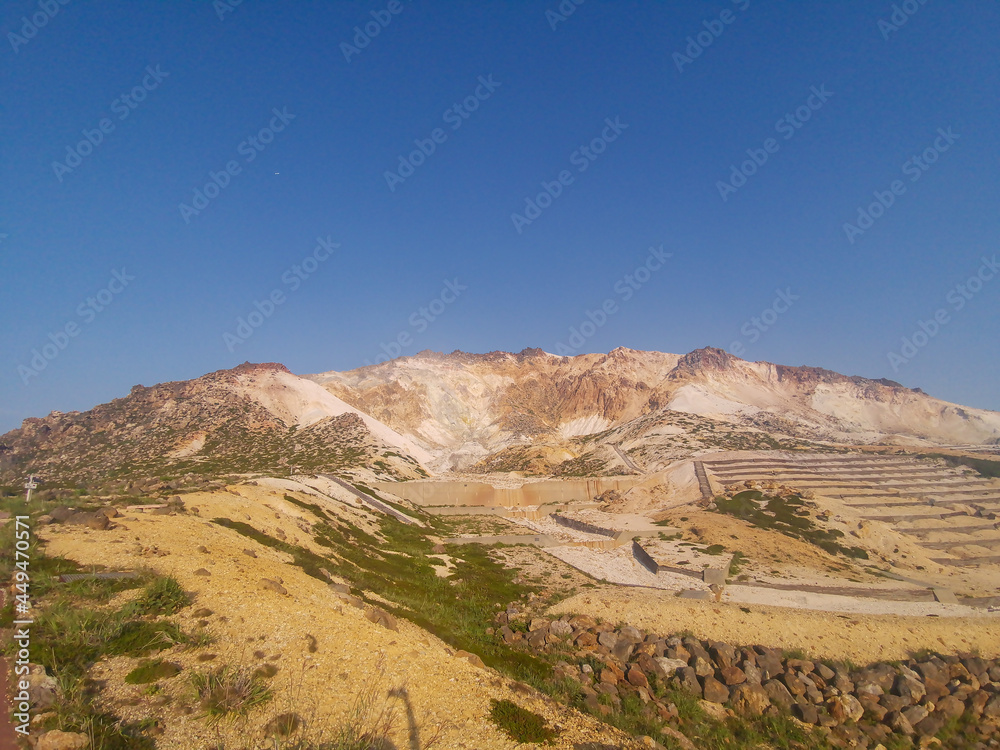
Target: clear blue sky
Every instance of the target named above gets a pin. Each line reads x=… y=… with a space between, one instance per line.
x=681 y=126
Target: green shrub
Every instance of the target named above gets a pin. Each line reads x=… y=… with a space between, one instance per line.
x=520 y=724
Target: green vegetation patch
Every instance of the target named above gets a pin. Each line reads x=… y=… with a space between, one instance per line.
x=520 y=724
x=152 y=671
x=787 y=515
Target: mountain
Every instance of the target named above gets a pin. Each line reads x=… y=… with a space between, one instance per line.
x=541 y=410
x=625 y=411
x=252 y=418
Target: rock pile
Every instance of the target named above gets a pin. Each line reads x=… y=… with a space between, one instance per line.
x=861 y=707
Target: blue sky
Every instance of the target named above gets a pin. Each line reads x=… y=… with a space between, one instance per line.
x=433 y=257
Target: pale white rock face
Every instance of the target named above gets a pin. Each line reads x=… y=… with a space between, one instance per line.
x=461 y=408
x=696 y=399
x=583 y=426
x=301 y=402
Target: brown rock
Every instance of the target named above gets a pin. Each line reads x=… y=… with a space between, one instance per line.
x=950 y=707
x=58 y=740
x=608 y=639
x=266 y=584
x=202 y=572
x=380 y=617
x=807 y=712
x=793 y=683
x=750 y=700
x=898 y=723
x=538 y=623
x=778 y=694
x=473 y=659
x=845 y=707
x=249 y=553
x=732 y=675
x=96 y=521
x=714 y=691
x=992 y=707
x=637 y=678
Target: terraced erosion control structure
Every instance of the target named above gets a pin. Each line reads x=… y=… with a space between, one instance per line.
x=945 y=509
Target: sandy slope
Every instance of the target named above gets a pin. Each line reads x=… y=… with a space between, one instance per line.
x=446 y=695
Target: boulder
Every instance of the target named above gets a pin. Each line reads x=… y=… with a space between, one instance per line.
x=688 y=680
x=723 y=654
x=607 y=638
x=266 y=584
x=96 y=521
x=42 y=689
x=845 y=707
x=630 y=634
x=930 y=726
x=916 y=714
x=622 y=650
x=473 y=659
x=560 y=628
x=59 y=740
x=732 y=676
x=537 y=623
x=61 y=514
x=909 y=688
x=750 y=700
x=793 y=683
x=666 y=667
x=950 y=707
x=703 y=667
x=806 y=712
x=379 y=616
x=752 y=672
x=992 y=707
x=636 y=677
x=778 y=694
x=898 y=723
x=714 y=691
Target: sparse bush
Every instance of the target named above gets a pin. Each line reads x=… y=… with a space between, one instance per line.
x=520 y=724
x=229 y=691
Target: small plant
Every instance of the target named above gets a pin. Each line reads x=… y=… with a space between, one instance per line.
x=152 y=671
x=520 y=724
x=229 y=691
x=162 y=596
